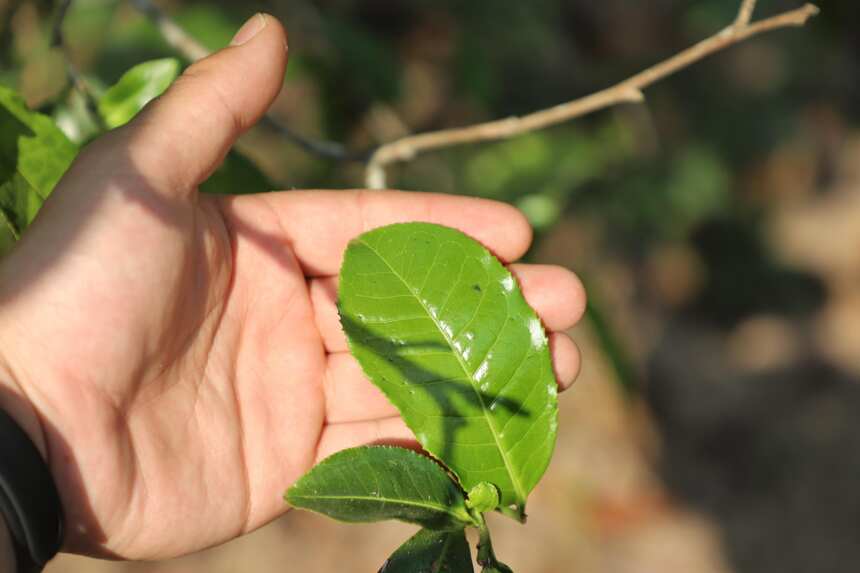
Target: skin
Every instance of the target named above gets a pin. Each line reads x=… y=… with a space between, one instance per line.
x=177 y=357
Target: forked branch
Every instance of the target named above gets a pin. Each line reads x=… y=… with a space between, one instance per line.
x=407 y=148
x=629 y=90
x=745 y=13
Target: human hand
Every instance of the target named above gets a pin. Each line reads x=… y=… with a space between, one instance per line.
x=177 y=357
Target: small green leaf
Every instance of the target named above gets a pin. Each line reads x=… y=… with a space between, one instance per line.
x=136 y=88
x=373 y=483
x=432 y=552
x=483 y=497
x=441 y=327
x=34 y=154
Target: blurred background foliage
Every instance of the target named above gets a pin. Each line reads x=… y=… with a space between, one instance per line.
x=717 y=227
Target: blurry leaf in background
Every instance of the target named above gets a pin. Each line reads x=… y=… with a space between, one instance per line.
x=698 y=187
x=34 y=154
x=75 y=119
x=210 y=24
x=541 y=172
x=496 y=166
x=137 y=87
x=542 y=211
x=85 y=28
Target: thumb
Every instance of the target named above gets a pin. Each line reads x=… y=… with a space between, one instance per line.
x=182 y=137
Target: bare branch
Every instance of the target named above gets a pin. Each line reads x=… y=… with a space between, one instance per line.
x=192 y=50
x=406 y=148
x=629 y=90
x=745 y=13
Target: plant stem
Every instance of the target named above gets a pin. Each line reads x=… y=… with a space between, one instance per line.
x=627 y=91
x=486 y=556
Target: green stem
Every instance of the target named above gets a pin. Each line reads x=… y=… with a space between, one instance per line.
x=486 y=556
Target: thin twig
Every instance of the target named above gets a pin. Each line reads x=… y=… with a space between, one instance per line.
x=192 y=50
x=629 y=90
x=57 y=38
x=406 y=148
x=172 y=32
x=745 y=13
x=326 y=149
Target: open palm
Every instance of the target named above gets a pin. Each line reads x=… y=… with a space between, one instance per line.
x=178 y=357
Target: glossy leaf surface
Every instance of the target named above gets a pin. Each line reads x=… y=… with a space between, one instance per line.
x=34 y=154
x=373 y=483
x=136 y=88
x=432 y=552
x=440 y=325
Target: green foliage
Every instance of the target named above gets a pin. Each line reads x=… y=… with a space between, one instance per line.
x=36 y=150
x=431 y=552
x=34 y=154
x=379 y=482
x=213 y=25
x=136 y=88
x=74 y=117
x=441 y=327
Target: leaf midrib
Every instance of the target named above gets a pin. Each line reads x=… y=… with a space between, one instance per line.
x=423 y=505
x=443 y=553
x=469 y=374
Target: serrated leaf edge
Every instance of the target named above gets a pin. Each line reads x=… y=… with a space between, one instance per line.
x=518 y=488
x=465 y=518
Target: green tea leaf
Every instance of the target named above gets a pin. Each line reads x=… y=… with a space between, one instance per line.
x=34 y=154
x=441 y=327
x=373 y=483
x=136 y=88
x=432 y=552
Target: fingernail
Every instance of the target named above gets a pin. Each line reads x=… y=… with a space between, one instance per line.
x=249 y=29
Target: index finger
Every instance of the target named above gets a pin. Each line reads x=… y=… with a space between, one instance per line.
x=319 y=224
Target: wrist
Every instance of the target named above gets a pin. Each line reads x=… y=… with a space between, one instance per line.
x=32 y=525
